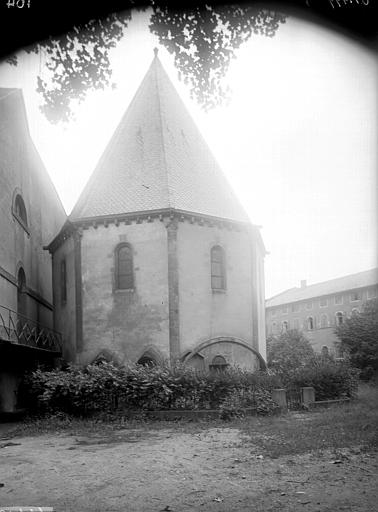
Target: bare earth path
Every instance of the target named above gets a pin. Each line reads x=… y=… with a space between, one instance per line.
x=171 y=469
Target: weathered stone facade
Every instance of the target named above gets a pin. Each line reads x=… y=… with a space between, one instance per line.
x=31 y=215
x=171 y=309
x=158 y=191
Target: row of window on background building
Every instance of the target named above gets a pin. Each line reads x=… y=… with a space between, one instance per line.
x=124 y=270
x=323 y=303
x=310 y=323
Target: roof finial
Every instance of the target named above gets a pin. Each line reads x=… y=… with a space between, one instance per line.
x=156 y=51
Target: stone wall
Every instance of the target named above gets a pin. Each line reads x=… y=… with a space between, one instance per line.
x=125 y=322
x=205 y=313
x=21 y=243
x=22 y=172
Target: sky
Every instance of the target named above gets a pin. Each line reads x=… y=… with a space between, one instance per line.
x=297 y=141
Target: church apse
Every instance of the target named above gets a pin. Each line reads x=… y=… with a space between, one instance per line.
x=165 y=255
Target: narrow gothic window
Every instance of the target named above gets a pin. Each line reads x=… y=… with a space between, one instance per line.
x=218 y=277
x=21 y=294
x=63 y=281
x=124 y=267
x=310 y=323
x=19 y=210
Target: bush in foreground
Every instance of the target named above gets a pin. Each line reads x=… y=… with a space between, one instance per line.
x=105 y=387
x=359 y=338
x=330 y=379
x=292 y=359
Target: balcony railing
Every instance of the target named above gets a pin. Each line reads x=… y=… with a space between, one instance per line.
x=20 y=330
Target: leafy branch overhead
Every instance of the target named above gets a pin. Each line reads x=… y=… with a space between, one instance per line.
x=203 y=41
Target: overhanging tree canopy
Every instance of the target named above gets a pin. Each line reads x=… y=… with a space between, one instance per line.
x=203 y=40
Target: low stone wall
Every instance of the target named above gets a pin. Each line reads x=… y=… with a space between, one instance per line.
x=307 y=399
x=184 y=414
x=329 y=403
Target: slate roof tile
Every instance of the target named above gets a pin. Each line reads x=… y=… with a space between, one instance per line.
x=157 y=159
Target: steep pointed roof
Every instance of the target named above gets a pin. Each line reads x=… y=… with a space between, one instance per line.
x=157 y=159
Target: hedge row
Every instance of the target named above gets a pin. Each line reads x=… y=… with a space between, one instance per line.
x=106 y=387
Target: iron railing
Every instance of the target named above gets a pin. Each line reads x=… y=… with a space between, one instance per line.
x=20 y=330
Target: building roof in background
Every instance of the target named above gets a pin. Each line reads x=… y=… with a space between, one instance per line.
x=341 y=284
x=157 y=159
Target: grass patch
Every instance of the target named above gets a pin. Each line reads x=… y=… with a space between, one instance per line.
x=350 y=425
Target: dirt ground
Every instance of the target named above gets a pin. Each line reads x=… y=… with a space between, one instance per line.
x=173 y=469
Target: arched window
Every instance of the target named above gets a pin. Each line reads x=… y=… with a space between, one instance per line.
x=19 y=210
x=146 y=360
x=339 y=318
x=310 y=323
x=218 y=275
x=124 y=271
x=324 y=320
x=274 y=328
x=285 y=326
x=218 y=363
x=21 y=293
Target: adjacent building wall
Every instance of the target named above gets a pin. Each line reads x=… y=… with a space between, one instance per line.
x=22 y=172
x=21 y=244
x=65 y=310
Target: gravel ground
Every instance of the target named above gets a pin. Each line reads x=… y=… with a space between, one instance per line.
x=168 y=469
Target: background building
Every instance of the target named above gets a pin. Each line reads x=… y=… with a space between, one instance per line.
x=31 y=214
x=317 y=309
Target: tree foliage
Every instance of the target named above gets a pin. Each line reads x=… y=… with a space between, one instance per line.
x=203 y=41
x=293 y=360
x=288 y=352
x=359 y=338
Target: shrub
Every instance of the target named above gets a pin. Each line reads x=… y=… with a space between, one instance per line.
x=330 y=379
x=234 y=404
x=359 y=338
x=287 y=353
x=105 y=387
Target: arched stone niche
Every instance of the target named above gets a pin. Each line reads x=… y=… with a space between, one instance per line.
x=234 y=351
